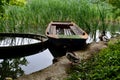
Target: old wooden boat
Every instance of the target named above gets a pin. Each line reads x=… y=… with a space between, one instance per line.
x=66 y=34
x=13 y=45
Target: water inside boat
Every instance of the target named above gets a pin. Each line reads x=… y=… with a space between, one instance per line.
x=64 y=30
x=16 y=41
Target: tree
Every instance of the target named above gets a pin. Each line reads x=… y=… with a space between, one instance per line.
x=12 y=68
x=1 y=8
x=17 y=2
x=116 y=5
x=10 y=2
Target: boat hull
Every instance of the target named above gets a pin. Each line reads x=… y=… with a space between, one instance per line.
x=65 y=36
x=22 y=50
x=68 y=44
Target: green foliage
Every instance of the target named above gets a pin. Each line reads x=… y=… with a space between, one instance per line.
x=12 y=68
x=1 y=8
x=2 y=11
x=116 y=5
x=17 y=2
x=104 y=66
x=3 y=3
x=36 y=14
x=34 y=17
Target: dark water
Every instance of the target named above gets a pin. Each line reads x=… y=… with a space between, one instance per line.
x=16 y=41
x=38 y=61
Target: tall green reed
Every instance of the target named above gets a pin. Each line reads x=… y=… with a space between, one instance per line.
x=36 y=14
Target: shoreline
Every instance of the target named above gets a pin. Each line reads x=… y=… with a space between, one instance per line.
x=58 y=70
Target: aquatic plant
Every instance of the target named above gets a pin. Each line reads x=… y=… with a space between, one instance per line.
x=36 y=14
x=103 y=66
x=12 y=68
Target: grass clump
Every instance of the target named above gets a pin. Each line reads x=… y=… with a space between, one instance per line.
x=104 y=66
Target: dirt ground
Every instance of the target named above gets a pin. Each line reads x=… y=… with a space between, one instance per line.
x=58 y=71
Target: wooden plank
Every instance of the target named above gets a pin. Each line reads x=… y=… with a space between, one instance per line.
x=65 y=32
x=76 y=30
x=54 y=30
x=50 y=30
x=61 y=23
x=69 y=32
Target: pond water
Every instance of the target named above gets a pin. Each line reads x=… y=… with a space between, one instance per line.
x=16 y=41
x=44 y=59
x=38 y=61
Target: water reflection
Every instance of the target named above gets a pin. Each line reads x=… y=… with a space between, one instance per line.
x=11 y=68
x=11 y=46
x=14 y=46
x=38 y=61
x=16 y=41
x=42 y=59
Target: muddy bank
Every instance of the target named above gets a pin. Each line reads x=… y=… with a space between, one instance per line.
x=58 y=71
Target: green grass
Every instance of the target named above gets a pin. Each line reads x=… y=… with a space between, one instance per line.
x=104 y=66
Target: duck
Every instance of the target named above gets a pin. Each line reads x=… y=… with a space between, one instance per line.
x=72 y=57
x=104 y=38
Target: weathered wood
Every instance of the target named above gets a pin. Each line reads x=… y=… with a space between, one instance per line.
x=76 y=30
x=67 y=32
x=65 y=28
x=54 y=30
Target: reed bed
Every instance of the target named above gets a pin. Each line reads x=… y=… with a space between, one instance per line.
x=36 y=14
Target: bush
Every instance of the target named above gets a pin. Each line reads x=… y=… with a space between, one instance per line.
x=10 y=2
x=104 y=66
x=17 y=2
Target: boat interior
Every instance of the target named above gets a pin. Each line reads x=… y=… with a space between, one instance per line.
x=65 y=29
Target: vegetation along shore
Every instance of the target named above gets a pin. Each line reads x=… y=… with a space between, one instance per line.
x=33 y=16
